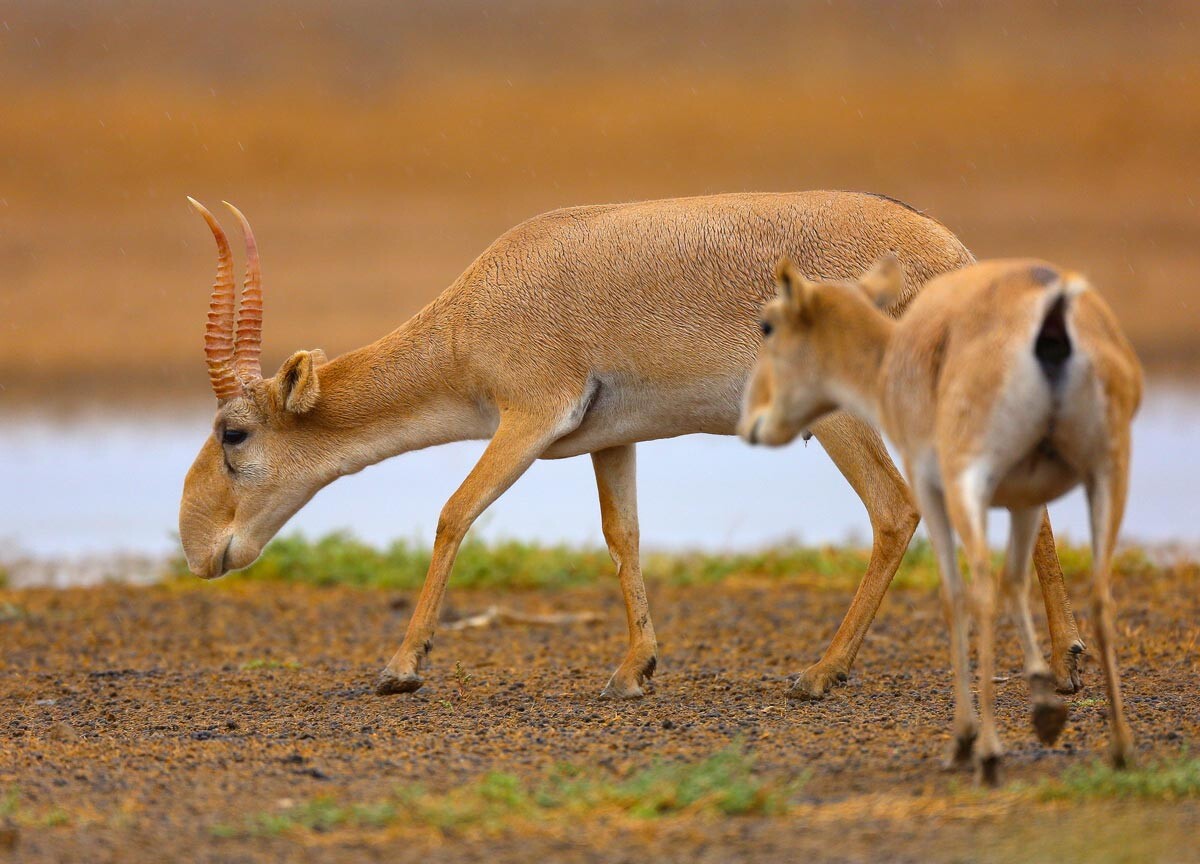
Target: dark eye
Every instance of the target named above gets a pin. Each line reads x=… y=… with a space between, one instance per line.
x=233 y=436
x=766 y=328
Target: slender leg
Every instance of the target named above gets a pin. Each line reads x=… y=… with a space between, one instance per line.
x=1049 y=712
x=859 y=454
x=518 y=441
x=1106 y=500
x=616 y=480
x=1065 y=644
x=968 y=499
x=954 y=604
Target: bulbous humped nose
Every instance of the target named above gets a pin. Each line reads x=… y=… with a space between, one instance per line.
x=205 y=545
x=206 y=512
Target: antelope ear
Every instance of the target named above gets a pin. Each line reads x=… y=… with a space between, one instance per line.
x=295 y=383
x=790 y=284
x=884 y=282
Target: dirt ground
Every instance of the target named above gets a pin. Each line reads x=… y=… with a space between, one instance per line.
x=146 y=717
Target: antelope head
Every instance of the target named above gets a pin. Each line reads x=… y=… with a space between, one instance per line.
x=265 y=457
x=821 y=349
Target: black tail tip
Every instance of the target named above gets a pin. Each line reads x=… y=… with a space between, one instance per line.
x=1053 y=345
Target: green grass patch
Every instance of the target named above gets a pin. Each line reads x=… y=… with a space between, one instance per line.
x=342 y=559
x=14 y=811
x=1158 y=781
x=1076 y=561
x=10 y=804
x=723 y=784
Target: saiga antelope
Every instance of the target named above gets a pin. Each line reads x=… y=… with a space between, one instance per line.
x=579 y=331
x=1005 y=384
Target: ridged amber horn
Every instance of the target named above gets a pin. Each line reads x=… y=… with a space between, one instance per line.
x=248 y=338
x=218 y=333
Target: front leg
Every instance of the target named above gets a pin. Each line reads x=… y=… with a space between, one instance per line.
x=518 y=441
x=616 y=480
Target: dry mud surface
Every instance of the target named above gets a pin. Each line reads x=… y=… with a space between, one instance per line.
x=148 y=717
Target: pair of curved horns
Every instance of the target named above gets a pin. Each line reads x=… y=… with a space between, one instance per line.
x=233 y=335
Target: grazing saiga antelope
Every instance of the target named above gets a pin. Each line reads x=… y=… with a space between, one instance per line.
x=583 y=330
x=1005 y=384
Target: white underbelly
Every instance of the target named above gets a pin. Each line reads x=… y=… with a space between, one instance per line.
x=627 y=413
x=1039 y=478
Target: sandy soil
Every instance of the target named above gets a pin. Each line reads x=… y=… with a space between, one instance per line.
x=150 y=715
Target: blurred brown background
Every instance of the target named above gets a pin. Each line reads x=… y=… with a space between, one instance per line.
x=378 y=148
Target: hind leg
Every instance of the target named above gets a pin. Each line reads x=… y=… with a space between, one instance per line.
x=859 y=454
x=954 y=605
x=1066 y=648
x=967 y=496
x=1049 y=711
x=616 y=480
x=1106 y=502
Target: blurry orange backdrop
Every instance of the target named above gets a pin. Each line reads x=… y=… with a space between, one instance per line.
x=379 y=147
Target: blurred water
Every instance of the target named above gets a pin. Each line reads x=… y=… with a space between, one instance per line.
x=103 y=484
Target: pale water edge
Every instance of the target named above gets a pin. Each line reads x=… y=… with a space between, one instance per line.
x=81 y=499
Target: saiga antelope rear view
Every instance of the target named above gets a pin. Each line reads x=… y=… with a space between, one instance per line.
x=1006 y=384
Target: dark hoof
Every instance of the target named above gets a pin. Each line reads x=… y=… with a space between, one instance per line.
x=390 y=683
x=1049 y=712
x=1069 y=679
x=959 y=754
x=1049 y=718
x=1121 y=758
x=989 y=771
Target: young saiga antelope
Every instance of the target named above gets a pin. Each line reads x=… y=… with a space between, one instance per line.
x=1005 y=384
x=579 y=331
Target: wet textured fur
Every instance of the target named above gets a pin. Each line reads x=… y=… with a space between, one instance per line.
x=583 y=330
